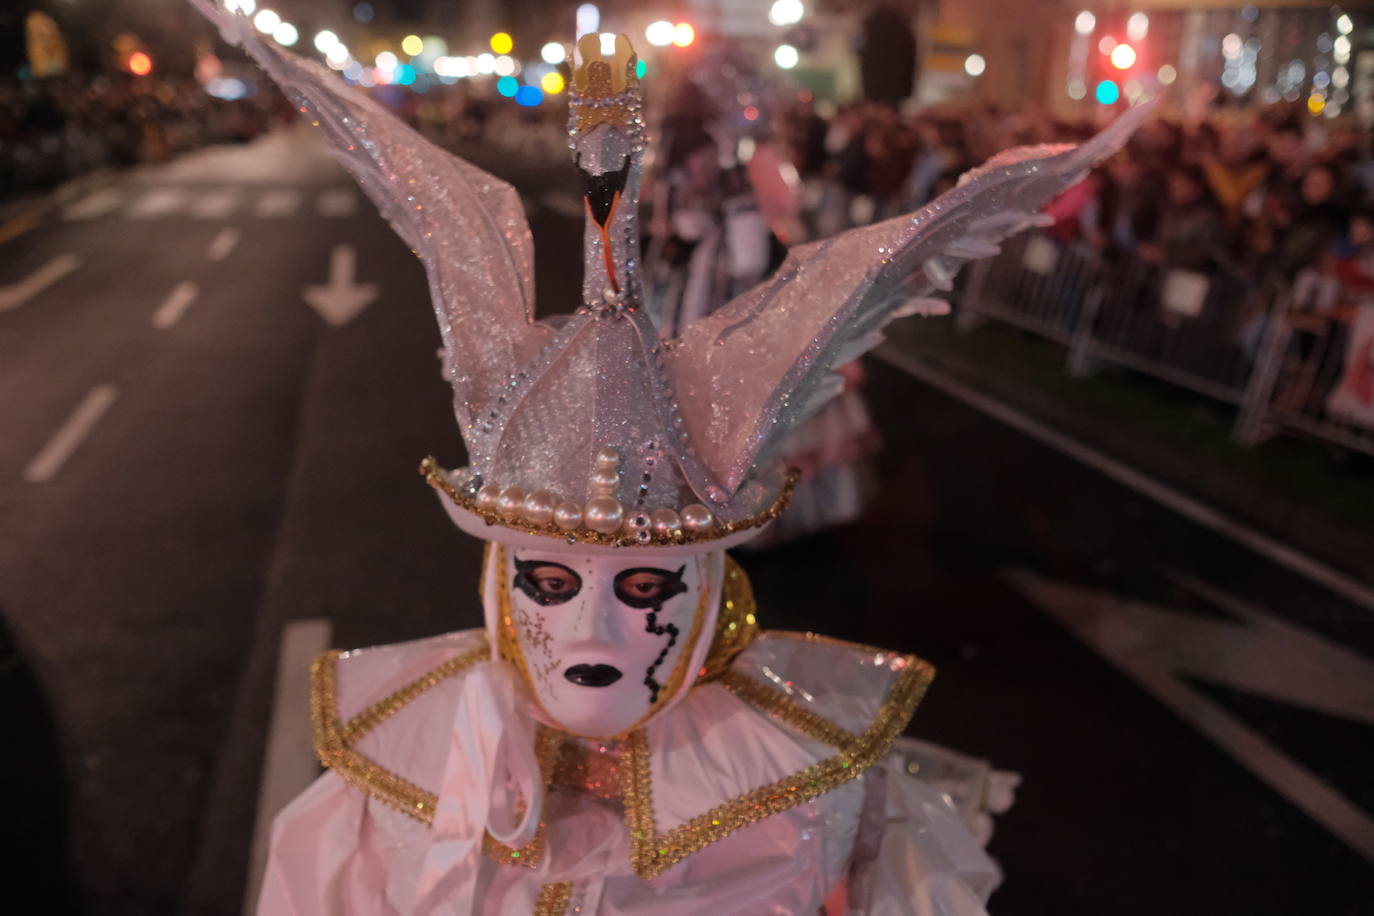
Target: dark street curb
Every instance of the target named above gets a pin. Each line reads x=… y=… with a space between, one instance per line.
x=1278 y=515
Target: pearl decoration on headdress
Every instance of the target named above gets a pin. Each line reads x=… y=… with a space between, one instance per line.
x=665 y=521
x=568 y=515
x=603 y=512
x=487 y=496
x=697 y=518
x=511 y=502
x=539 y=507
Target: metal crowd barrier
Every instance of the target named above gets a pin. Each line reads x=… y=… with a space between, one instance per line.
x=1288 y=361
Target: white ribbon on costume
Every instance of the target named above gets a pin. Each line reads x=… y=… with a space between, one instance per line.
x=491 y=784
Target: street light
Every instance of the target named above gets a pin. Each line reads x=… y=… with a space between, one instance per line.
x=659 y=34
x=266 y=20
x=786 y=12
x=786 y=57
x=286 y=34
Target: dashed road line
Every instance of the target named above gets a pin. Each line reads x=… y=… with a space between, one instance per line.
x=175 y=305
x=278 y=203
x=69 y=436
x=158 y=203
x=215 y=204
x=16 y=294
x=337 y=202
x=94 y=205
x=222 y=245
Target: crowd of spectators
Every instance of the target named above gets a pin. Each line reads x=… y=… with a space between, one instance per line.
x=58 y=128
x=1237 y=199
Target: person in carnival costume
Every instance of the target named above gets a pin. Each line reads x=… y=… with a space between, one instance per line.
x=622 y=737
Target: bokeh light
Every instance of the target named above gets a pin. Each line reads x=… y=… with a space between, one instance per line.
x=552 y=83
x=786 y=57
x=684 y=34
x=412 y=45
x=508 y=86
x=1107 y=92
x=140 y=64
x=1123 y=56
x=974 y=65
x=553 y=53
x=502 y=43
x=529 y=96
x=659 y=34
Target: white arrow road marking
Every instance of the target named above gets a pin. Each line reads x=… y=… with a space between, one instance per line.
x=16 y=294
x=564 y=204
x=158 y=203
x=215 y=204
x=175 y=305
x=276 y=204
x=223 y=244
x=1153 y=645
x=51 y=457
x=340 y=301
x=337 y=202
x=290 y=764
x=93 y=205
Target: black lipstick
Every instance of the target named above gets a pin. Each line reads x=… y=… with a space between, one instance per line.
x=593 y=675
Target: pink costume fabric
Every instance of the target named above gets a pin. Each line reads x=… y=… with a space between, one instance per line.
x=889 y=842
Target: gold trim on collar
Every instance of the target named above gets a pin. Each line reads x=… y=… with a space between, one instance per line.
x=652 y=853
x=553 y=899
x=334 y=742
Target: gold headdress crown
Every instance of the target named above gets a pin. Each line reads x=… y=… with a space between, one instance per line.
x=605 y=91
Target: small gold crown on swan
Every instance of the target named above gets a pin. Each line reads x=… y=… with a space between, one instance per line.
x=606 y=90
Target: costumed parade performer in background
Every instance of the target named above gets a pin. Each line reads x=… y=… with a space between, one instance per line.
x=622 y=737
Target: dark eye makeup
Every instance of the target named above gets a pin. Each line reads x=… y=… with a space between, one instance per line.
x=546 y=582
x=646 y=587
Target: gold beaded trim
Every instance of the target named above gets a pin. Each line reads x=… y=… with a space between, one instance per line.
x=553 y=899
x=778 y=704
x=334 y=746
x=737 y=624
x=651 y=854
x=436 y=478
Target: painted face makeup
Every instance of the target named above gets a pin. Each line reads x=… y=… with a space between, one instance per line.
x=603 y=638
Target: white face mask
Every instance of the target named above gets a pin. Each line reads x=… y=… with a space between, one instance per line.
x=605 y=640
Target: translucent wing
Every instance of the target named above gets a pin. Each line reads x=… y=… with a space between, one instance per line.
x=750 y=372
x=466 y=226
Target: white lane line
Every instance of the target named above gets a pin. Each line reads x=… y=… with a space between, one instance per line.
x=93 y=205
x=16 y=294
x=564 y=204
x=67 y=439
x=215 y=204
x=337 y=202
x=158 y=203
x=1296 y=561
x=289 y=764
x=175 y=305
x=276 y=204
x=222 y=245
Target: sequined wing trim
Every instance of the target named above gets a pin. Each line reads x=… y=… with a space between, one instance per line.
x=652 y=853
x=334 y=740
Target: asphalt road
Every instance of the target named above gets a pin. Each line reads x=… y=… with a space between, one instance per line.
x=193 y=457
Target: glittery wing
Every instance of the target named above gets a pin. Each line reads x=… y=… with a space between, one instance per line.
x=747 y=374
x=466 y=226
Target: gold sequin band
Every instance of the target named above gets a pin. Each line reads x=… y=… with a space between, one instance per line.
x=651 y=853
x=436 y=478
x=553 y=899
x=334 y=746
